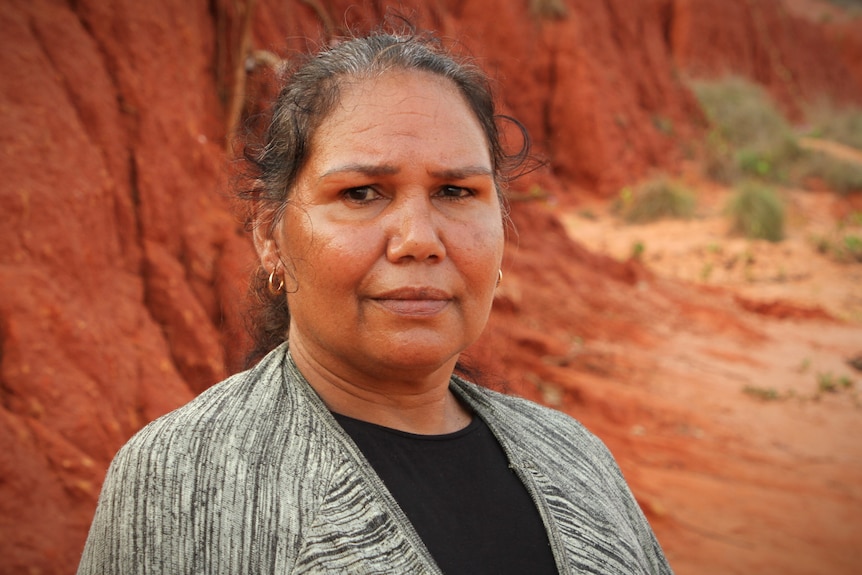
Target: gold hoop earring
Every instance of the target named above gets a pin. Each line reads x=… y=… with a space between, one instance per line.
x=499 y=276
x=275 y=289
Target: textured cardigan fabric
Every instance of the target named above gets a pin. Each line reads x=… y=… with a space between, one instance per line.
x=255 y=476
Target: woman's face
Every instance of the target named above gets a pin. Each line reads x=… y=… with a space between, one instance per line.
x=393 y=236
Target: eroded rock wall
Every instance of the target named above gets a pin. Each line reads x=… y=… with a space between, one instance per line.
x=797 y=59
x=120 y=265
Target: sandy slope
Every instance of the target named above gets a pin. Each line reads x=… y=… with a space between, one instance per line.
x=735 y=482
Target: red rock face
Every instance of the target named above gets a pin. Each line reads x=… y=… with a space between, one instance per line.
x=123 y=266
x=797 y=59
x=596 y=88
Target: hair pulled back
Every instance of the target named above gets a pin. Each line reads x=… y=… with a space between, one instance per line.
x=311 y=90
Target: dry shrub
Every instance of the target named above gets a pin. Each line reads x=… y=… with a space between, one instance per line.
x=756 y=211
x=656 y=199
x=749 y=135
x=750 y=138
x=548 y=9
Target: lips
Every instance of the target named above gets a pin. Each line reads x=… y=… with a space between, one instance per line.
x=414 y=301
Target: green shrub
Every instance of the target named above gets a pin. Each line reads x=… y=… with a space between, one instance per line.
x=757 y=212
x=719 y=162
x=654 y=200
x=842 y=125
x=774 y=162
x=831 y=383
x=763 y=393
x=750 y=136
x=853 y=7
x=839 y=175
x=742 y=112
x=845 y=248
x=548 y=9
x=853 y=247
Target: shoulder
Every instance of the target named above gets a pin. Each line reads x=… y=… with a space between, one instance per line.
x=576 y=474
x=546 y=439
x=529 y=419
x=247 y=452
x=237 y=402
x=254 y=423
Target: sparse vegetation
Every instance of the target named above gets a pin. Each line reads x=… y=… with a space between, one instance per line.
x=548 y=9
x=845 y=243
x=742 y=112
x=842 y=247
x=757 y=212
x=762 y=393
x=749 y=134
x=854 y=7
x=655 y=199
x=829 y=383
x=663 y=124
x=842 y=125
x=838 y=175
x=750 y=138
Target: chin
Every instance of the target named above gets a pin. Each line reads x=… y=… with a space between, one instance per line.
x=418 y=357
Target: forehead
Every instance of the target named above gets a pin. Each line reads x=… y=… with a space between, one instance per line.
x=401 y=110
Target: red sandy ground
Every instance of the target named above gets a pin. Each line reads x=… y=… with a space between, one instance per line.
x=735 y=483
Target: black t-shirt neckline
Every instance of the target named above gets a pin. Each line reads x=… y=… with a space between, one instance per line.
x=463 y=498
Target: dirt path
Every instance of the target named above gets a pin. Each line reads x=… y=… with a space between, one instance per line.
x=755 y=461
x=835 y=149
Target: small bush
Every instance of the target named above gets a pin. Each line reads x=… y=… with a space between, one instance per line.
x=654 y=200
x=774 y=162
x=763 y=393
x=841 y=176
x=719 y=162
x=742 y=112
x=844 y=248
x=757 y=212
x=548 y=9
x=829 y=383
x=832 y=123
x=750 y=136
x=853 y=247
x=853 y=7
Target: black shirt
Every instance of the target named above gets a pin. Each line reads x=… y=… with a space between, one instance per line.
x=467 y=505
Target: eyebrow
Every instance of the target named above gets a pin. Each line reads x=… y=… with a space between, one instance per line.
x=459 y=173
x=462 y=173
x=367 y=169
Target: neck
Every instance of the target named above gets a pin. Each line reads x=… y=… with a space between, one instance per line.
x=417 y=402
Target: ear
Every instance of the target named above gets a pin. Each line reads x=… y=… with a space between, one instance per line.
x=264 y=241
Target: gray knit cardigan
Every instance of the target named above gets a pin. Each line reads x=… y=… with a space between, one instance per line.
x=255 y=476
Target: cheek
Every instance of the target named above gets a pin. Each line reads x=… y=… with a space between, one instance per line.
x=492 y=238
x=326 y=254
x=484 y=257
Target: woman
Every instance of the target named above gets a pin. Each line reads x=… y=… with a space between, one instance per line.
x=351 y=447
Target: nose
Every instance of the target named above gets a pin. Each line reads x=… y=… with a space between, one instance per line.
x=414 y=231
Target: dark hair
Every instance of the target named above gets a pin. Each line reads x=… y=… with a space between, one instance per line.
x=310 y=91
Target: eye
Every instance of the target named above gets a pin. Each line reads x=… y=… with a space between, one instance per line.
x=361 y=194
x=455 y=192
